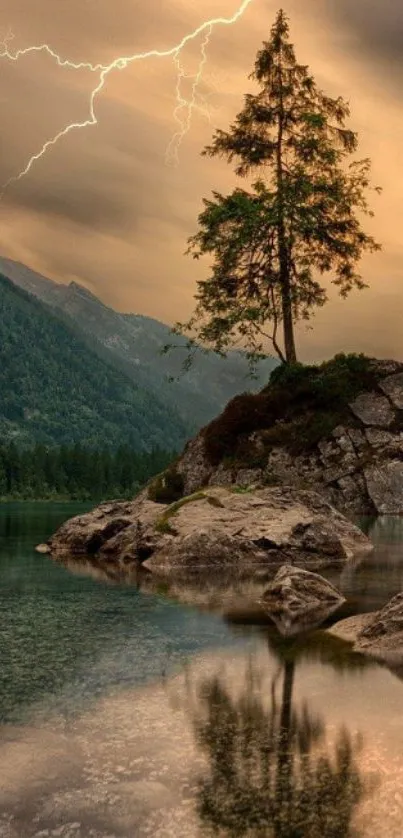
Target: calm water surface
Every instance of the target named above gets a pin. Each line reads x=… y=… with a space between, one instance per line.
x=132 y=712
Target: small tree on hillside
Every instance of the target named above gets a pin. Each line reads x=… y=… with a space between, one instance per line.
x=298 y=221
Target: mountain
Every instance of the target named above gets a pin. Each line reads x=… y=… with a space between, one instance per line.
x=132 y=343
x=55 y=390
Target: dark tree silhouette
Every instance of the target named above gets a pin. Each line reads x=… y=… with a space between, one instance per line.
x=271 y=771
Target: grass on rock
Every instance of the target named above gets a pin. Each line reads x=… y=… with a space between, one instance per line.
x=300 y=406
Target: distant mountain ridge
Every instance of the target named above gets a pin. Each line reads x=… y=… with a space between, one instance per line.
x=54 y=390
x=132 y=343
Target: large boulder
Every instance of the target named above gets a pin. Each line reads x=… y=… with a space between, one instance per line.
x=298 y=600
x=215 y=527
x=87 y=534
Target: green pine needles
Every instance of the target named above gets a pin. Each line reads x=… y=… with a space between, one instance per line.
x=299 y=221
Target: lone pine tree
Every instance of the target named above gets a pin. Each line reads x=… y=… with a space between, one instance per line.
x=298 y=221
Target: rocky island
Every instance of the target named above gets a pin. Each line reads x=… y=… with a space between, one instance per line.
x=274 y=481
x=216 y=527
x=336 y=429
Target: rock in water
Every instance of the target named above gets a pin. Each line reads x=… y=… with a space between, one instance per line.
x=42 y=548
x=298 y=600
x=383 y=635
x=213 y=528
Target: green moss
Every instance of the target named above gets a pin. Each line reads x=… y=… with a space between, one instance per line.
x=300 y=406
x=167 y=487
x=163 y=524
x=164 y=527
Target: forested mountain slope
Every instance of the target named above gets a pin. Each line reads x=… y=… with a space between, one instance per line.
x=55 y=390
x=132 y=342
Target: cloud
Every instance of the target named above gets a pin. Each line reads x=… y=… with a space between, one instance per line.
x=104 y=208
x=378 y=27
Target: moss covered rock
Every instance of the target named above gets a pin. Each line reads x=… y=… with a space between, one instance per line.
x=335 y=427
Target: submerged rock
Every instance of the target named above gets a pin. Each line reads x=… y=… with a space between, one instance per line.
x=298 y=600
x=215 y=527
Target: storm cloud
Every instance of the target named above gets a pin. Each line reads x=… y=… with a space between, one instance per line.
x=104 y=208
x=378 y=25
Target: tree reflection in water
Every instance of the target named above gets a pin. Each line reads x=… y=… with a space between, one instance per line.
x=272 y=773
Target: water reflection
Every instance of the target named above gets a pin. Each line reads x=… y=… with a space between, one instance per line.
x=237 y=597
x=383 y=529
x=234 y=595
x=68 y=637
x=108 y=572
x=367 y=583
x=89 y=751
x=319 y=647
x=272 y=769
x=379 y=577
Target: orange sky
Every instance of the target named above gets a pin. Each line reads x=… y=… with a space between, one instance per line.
x=104 y=208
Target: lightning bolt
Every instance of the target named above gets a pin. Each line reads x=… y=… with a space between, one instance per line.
x=189 y=105
x=103 y=71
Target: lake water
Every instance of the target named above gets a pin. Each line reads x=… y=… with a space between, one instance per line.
x=127 y=711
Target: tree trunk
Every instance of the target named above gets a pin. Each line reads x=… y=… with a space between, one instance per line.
x=288 y=323
x=288 y=331
x=285 y=280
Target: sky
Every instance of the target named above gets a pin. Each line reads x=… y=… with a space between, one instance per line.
x=109 y=207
